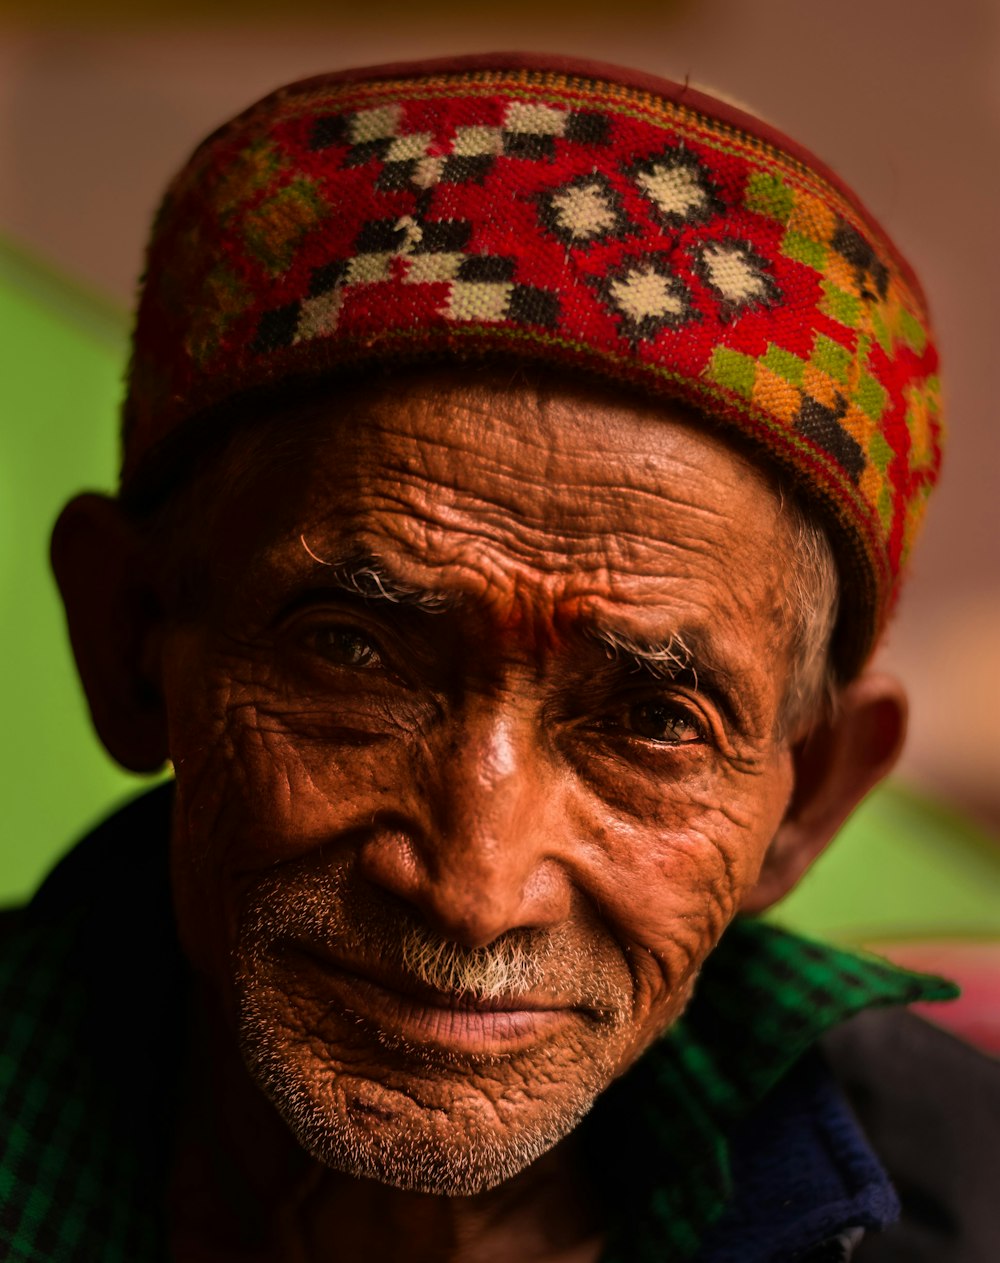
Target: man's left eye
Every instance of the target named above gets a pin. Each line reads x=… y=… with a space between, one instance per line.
x=662 y=721
x=345 y=646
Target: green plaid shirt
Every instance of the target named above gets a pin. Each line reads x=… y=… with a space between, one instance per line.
x=92 y=993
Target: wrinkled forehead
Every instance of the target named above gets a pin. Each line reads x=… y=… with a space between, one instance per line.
x=555 y=446
x=456 y=483
x=548 y=450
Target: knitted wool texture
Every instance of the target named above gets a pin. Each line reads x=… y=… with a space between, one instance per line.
x=568 y=214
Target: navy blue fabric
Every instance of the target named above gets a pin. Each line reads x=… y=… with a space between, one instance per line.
x=803 y=1172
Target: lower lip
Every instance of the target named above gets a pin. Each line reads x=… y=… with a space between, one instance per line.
x=456 y=1030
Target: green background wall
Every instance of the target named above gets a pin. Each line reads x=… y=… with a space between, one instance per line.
x=902 y=867
x=60 y=384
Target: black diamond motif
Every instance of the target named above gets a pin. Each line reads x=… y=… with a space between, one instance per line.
x=587 y=129
x=379 y=236
x=484 y=267
x=325 y=278
x=328 y=131
x=443 y=236
x=823 y=426
x=533 y=145
x=466 y=168
x=554 y=221
x=396 y=175
x=644 y=328
x=277 y=328
x=678 y=159
x=848 y=242
x=532 y=306
x=364 y=152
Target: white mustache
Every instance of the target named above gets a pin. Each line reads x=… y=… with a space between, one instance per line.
x=319 y=909
x=506 y=968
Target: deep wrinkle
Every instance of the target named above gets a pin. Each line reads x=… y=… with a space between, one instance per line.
x=356 y=576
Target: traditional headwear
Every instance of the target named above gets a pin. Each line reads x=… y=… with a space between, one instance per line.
x=563 y=213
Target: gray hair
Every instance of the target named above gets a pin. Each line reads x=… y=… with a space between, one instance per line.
x=813 y=596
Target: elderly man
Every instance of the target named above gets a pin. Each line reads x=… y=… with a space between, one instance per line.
x=519 y=461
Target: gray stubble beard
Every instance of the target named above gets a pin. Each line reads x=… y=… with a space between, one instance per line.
x=346 y=1121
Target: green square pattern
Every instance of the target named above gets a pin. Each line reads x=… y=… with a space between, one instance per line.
x=880 y=329
x=913 y=332
x=871 y=397
x=733 y=370
x=274 y=230
x=839 y=305
x=784 y=364
x=768 y=194
x=879 y=452
x=831 y=358
x=885 y=507
x=802 y=248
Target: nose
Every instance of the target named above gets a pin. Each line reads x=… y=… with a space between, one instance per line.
x=486 y=858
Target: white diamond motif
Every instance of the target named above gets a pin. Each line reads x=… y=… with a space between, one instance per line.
x=473 y=142
x=584 y=211
x=428 y=171
x=643 y=294
x=429 y=268
x=484 y=301
x=367 y=269
x=676 y=190
x=731 y=271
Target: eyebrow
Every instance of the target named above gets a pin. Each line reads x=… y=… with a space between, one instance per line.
x=363 y=574
x=666 y=660
x=685 y=657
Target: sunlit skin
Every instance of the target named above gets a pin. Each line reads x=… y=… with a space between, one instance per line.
x=552 y=710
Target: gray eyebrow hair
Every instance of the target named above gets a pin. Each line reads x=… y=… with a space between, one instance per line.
x=665 y=660
x=362 y=574
x=682 y=656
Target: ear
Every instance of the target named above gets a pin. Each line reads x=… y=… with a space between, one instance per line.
x=114 y=621
x=834 y=767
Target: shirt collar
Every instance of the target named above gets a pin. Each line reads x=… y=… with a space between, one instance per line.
x=763 y=999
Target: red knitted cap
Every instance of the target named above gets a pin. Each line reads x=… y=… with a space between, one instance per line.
x=565 y=213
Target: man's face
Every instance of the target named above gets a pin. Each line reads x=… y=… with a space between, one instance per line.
x=475 y=735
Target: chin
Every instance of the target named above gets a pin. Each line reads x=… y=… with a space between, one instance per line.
x=420 y=1126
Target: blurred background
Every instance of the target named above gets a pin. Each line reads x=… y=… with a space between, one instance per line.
x=99 y=105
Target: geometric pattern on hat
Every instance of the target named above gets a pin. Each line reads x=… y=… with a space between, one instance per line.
x=678 y=186
x=567 y=214
x=646 y=296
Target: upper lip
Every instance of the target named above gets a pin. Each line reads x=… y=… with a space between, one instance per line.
x=413 y=989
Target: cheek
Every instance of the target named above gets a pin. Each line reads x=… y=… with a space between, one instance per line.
x=669 y=878
x=234 y=781
x=260 y=783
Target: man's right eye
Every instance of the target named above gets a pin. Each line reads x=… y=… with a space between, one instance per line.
x=344 y=646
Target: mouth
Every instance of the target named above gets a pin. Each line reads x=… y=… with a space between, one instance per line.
x=452 y=1022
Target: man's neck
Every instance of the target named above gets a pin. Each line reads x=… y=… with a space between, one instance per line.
x=243 y=1191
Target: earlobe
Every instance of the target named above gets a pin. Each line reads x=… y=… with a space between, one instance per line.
x=835 y=766
x=113 y=620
